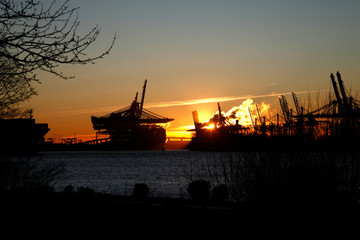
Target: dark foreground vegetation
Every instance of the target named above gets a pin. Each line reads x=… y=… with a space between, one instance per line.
x=87 y=213
x=262 y=194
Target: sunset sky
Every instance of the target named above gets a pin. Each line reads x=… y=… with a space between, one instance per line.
x=191 y=50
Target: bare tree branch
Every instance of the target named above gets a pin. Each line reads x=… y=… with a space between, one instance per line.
x=39 y=36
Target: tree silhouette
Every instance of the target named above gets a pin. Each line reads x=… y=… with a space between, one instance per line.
x=38 y=36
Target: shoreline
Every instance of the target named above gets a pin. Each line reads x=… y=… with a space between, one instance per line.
x=125 y=214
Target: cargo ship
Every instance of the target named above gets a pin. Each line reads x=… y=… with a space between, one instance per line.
x=132 y=127
x=21 y=135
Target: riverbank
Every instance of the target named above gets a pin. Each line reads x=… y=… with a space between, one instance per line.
x=103 y=213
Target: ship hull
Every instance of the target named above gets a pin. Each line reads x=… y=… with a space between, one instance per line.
x=140 y=138
x=20 y=136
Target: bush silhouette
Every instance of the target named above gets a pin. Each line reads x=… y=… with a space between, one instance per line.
x=220 y=193
x=86 y=192
x=69 y=189
x=140 y=191
x=199 y=190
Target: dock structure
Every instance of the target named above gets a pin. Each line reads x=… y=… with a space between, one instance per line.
x=335 y=125
x=97 y=141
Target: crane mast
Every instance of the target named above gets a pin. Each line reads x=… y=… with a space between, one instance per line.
x=261 y=119
x=142 y=99
x=342 y=88
x=337 y=94
x=251 y=117
x=285 y=109
x=297 y=105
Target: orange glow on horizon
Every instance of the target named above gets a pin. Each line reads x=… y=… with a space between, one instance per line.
x=180 y=132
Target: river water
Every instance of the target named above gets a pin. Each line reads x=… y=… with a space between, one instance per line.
x=166 y=173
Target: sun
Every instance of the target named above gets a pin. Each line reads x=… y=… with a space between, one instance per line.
x=211 y=126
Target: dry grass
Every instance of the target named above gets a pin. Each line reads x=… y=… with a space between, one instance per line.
x=286 y=177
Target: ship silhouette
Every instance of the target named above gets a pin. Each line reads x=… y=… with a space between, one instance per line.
x=21 y=135
x=132 y=127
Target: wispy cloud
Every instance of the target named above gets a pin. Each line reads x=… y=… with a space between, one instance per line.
x=92 y=110
x=218 y=99
x=104 y=110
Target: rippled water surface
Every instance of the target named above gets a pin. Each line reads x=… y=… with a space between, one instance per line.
x=115 y=172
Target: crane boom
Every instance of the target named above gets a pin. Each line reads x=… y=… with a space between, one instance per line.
x=297 y=106
x=251 y=117
x=337 y=94
x=259 y=115
x=142 y=99
x=285 y=109
x=336 y=90
x=342 y=89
